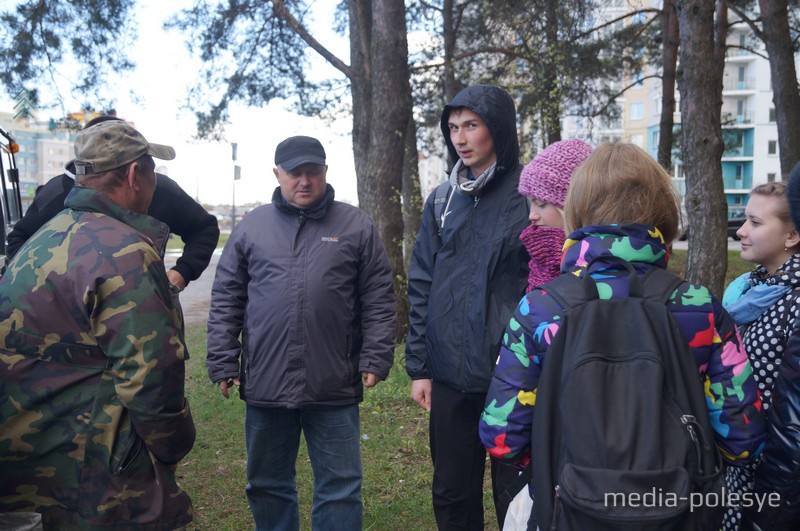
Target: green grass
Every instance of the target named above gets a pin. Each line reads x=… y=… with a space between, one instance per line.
x=395 y=456
x=736 y=266
x=394 y=450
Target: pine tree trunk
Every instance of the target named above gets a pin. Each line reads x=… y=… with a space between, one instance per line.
x=669 y=60
x=785 y=95
x=700 y=83
x=381 y=114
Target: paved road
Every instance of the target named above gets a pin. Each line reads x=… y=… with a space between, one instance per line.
x=196 y=297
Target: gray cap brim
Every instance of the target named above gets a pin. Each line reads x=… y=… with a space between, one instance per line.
x=160 y=151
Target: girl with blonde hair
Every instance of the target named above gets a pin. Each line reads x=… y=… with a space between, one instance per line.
x=621 y=204
x=764 y=305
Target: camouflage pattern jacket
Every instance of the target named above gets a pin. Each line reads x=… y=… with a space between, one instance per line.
x=93 y=418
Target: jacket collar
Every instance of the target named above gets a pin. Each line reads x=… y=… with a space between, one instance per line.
x=90 y=200
x=316 y=211
x=639 y=244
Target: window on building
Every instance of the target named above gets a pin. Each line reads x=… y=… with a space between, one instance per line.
x=739 y=140
x=739 y=183
x=770 y=177
x=772 y=147
x=637 y=111
x=772 y=115
x=654 y=138
x=637 y=140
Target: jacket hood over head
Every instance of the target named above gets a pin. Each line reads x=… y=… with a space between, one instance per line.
x=497 y=110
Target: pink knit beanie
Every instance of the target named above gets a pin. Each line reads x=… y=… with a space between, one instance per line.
x=547 y=176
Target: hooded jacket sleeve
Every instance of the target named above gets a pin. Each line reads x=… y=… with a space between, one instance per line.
x=420 y=276
x=378 y=316
x=197 y=228
x=731 y=391
x=228 y=303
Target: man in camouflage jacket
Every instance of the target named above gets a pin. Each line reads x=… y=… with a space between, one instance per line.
x=93 y=418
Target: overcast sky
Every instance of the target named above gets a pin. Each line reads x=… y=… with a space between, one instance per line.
x=205 y=169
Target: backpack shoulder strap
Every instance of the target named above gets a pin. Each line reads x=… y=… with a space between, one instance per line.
x=660 y=284
x=440 y=198
x=566 y=289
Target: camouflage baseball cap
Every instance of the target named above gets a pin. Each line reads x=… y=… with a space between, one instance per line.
x=112 y=144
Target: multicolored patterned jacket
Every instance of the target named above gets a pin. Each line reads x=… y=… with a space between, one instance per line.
x=93 y=418
x=732 y=397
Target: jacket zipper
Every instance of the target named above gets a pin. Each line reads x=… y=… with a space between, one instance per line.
x=130 y=454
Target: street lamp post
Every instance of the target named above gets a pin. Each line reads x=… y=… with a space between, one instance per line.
x=234 y=147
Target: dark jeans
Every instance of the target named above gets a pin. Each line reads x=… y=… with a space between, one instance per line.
x=333 y=441
x=459 y=460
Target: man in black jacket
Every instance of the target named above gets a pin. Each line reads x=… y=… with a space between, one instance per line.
x=197 y=228
x=468 y=272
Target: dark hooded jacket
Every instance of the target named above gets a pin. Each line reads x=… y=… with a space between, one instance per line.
x=465 y=280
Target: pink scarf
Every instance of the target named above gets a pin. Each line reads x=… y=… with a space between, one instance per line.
x=544 y=245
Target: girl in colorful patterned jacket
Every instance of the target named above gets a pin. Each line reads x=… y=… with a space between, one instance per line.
x=544 y=181
x=764 y=305
x=622 y=203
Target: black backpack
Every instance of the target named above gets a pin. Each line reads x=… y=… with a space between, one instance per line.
x=621 y=434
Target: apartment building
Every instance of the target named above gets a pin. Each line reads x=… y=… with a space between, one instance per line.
x=43 y=151
x=748 y=113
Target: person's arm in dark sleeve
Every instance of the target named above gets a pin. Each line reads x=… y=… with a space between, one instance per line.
x=420 y=275
x=197 y=228
x=227 y=312
x=378 y=314
x=48 y=201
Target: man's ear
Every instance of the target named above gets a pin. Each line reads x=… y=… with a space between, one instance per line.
x=132 y=177
x=275 y=171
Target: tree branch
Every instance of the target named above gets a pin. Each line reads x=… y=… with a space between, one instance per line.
x=595 y=29
x=612 y=100
x=746 y=19
x=281 y=11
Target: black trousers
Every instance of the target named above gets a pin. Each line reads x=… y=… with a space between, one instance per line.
x=459 y=460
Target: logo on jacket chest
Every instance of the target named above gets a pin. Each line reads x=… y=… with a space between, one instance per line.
x=334 y=239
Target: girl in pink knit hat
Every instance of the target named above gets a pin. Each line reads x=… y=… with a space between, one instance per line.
x=545 y=181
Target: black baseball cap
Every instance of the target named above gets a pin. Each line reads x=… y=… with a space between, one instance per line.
x=297 y=150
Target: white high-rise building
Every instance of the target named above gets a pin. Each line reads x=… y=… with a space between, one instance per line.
x=748 y=113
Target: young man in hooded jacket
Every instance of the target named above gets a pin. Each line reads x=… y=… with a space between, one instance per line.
x=468 y=271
